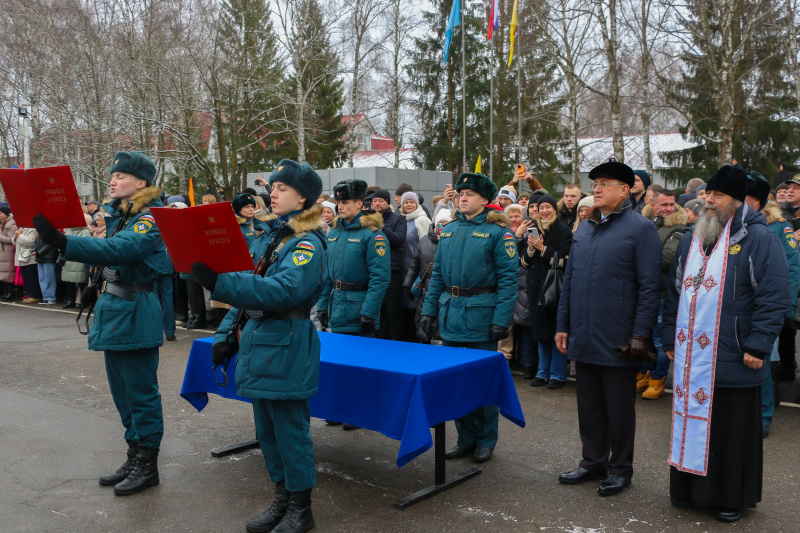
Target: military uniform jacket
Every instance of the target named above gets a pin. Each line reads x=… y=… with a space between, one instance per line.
x=137 y=253
x=481 y=252
x=278 y=359
x=358 y=254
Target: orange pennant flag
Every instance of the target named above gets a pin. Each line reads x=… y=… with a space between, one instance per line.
x=191 y=193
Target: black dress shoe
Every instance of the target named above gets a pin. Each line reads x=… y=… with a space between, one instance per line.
x=613 y=484
x=333 y=423
x=349 y=427
x=69 y=305
x=555 y=384
x=538 y=382
x=527 y=372
x=171 y=338
x=458 y=451
x=196 y=325
x=482 y=454
x=581 y=475
x=764 y=431
x=729 y=515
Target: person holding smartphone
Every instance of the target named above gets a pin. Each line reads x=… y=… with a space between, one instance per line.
x=546 y=238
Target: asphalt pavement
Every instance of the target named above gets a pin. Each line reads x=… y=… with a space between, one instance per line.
x=59 y=431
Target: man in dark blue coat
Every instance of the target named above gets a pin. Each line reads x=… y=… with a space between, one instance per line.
x=727 y=292
x=608 y=308
x=394 y=227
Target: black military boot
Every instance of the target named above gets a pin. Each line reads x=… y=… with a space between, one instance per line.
x=122 y=472
x=143 y=475
x=270 y=518
x=298 y=517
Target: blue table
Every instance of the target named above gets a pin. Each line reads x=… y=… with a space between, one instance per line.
x=398 y=389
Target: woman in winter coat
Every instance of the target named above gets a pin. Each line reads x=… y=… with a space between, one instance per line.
x=418 y=276
x=555 y=238
x=520 y=322
x=417 y=224
x=72 y=272
x=8 y=269
x=25 y=259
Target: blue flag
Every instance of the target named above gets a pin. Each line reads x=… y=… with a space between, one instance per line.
x=455 y=20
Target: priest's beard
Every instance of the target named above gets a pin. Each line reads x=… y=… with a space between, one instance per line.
x=709 y=228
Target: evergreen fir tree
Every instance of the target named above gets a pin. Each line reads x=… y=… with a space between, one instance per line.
x=316 y=71
x=249 y=102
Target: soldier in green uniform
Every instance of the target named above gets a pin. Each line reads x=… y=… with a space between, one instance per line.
x=473 y=288
x=278 y=362
x=127 y=324
x=359 y=265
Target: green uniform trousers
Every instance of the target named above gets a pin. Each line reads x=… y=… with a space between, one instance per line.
x=480 y=427
x=133 y=379
x=283 y=431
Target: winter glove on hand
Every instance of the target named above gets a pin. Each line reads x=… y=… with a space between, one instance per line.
x=424 y=328
x=498 y=333
x=322 y=316
x=367 y=325
x=49 y=234
x=221 y=352
x=88 y=297
x=204 y=274
x=636 y=350
x=409 y=294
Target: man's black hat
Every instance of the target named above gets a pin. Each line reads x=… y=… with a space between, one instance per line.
x=758 y=187
x=729 y=180
x=352 y=189
x=615 y=171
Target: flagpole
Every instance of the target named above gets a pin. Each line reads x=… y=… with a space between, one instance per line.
x=491 y=111
x=519 y=97
x=463 y=90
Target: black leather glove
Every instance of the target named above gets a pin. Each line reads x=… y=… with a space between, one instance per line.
x=322 y=316
x=49 y=234
x=638 y=349
x=204 y=274
x=61 y=261
x=367 y=325
x=409 y=295
x=424 y=328
x=88 y=297
x=221 y=352
x=498 y=333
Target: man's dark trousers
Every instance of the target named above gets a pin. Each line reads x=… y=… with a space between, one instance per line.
x=392 y=310
x=480 y=427
x=607 y=417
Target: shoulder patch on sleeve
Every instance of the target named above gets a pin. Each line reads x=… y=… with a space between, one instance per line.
x=301 y=257
x=142 y=225
x=508 y=235
x=511 y=249
x=789 y=234
x=305 y=245
x=148 y=217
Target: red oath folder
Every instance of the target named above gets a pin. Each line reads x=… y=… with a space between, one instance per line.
x=206 y=233
x=50 y=191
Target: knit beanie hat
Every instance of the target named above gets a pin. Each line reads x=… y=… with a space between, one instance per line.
x=444 y=215
x=508 y=193
x=410 y=195
x=329 y=205
x=586 y=202
x=645 y=177
x=174 y=198
x=547 y=199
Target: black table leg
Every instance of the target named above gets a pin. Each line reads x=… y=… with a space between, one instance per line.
x=234 y=448
x=440 y=483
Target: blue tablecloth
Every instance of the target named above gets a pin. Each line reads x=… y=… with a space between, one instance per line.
x=398 y=389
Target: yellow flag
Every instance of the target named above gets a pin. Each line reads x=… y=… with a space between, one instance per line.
x=513 y=32
x=191 y=193
x=478 y=166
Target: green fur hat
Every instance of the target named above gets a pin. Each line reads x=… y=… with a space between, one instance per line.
x=301 y=177
x=136 y=164
x=353 y=189
x=242 y=200
x=480 y=183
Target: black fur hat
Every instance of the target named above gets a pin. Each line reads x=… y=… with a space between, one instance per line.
x=615 y=171
x=729 y=180
x=353 y=189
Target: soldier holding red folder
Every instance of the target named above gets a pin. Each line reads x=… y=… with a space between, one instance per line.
x=127 y=323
